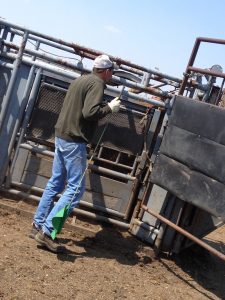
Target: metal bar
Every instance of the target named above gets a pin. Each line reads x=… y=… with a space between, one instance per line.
x=220 y=92
x=136 y=185
x=185 y=233
x=73 y=75
x=25 y=120
x=45 y=56
x=192 y=59
x=211 y=40
x=91 y=167
x=168 y=212
x=58 y=88
x=6 y=65
x=114 y=163
x=146 y=226
x=102 y=218
x=175 y=82
x=83 y=203
x=5 y=32
x=44 y=41
x=118 y=159
x=155 y=75
x=134 y=167
x=22 y=108
x=79 y=67
x=205 y=71
x=159 y=137
x=131 y=70
x=112 y=173
x=99 y=152
x=35 y=33
x=12 y=81
x=40 y=64
x=91 y=53
x=141 y=88
x=190 y=63
x=75 y=210
x=158 y=85
x=37 y=149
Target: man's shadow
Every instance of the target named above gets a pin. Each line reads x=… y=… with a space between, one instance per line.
x=110 y=243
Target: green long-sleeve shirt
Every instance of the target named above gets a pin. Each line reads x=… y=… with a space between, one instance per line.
x=82 y=108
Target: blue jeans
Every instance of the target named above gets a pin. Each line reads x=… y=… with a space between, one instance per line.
x=69 y=165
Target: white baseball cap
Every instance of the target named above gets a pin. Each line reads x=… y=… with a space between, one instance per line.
x=103 y=62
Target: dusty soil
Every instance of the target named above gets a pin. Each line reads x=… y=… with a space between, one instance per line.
x=106 y=264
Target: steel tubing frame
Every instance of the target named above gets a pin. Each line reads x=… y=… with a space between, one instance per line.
x=91 y=54
x=146 y=226
x=49 y=57
x=26 y=187
x=91 y=167
x=192 y=58
x=185 y=233
x=84 y=51
x=6 y=65
x=118 y=80
x=78 y=211
x=72 y=75
x=12 y=81
x=31 y=101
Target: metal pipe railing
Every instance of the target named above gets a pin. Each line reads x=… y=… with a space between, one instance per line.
x=24 y=101
x=12 y=81
x=26 y=188
x=206 y=72
x=185 y=233
x=79 y=67
x=73 y=75
x=44 y=41
x=46 y=56
x=113 y=163
x=77 y=211
x=192 y=58
x=151 y=229
x=91 y=167
x=85 y=52
x=6 y=65
x=30 y=105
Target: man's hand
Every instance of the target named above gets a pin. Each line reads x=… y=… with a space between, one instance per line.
x=114 y=104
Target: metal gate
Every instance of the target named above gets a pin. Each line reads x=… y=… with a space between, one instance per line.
x=155 y=151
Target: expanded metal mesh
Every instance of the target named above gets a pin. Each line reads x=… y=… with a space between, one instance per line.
x=124 y=132
x=45 y=115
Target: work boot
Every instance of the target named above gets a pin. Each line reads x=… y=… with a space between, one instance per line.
x=46 y=241
x=33 y=232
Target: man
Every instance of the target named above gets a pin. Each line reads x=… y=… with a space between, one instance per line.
x=82 y=108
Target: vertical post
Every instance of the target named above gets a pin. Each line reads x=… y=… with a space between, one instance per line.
x=17 y=62
x=24 y=124
x=190 y=63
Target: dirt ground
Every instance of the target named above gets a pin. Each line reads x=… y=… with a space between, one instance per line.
x=107 y=264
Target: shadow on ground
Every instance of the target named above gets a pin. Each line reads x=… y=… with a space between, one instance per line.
x=111 y=244
x=201 y=266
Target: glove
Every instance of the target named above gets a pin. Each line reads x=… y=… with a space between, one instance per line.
x=114 y=104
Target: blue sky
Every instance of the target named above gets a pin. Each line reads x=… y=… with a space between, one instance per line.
x=159 y=33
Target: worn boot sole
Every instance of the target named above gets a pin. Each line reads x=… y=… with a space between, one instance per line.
x=32 y=233
x=59 y=249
